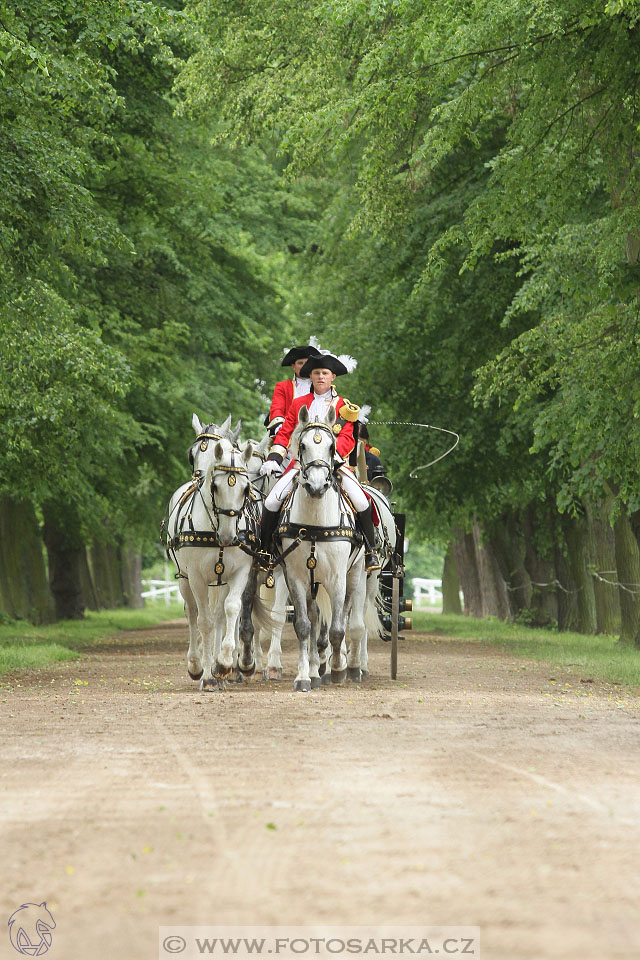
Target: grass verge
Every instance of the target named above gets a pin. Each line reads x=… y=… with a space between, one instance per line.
x=24 y=646
x=588 y=656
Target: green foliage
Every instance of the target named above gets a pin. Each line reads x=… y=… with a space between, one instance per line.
x=583 y=655
x=141 y=269
x=25 y=647
x=488 y=151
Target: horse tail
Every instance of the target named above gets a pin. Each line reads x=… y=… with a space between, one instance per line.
x=261 y=614
x=324 y=605
x=371 y=618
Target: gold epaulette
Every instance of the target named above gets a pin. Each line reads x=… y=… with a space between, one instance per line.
x=349 y=411
x=374 y=451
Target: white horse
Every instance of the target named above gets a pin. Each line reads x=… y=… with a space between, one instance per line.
x=264 y=608
x=319 y=546
x=205 y=520
x=374 y=605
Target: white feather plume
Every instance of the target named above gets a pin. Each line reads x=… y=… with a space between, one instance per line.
x=350 y=362
x=314 y=342
x=363 y=416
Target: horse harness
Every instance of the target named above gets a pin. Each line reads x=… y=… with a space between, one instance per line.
x=245 y=540
x=311 y=533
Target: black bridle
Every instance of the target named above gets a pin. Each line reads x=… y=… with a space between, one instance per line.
x=231 y=472
x=328 y=466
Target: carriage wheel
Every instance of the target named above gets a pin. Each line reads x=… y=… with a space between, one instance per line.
x=395 y=611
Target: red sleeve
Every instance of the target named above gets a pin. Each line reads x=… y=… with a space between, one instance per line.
x=345 y=442
x=283 y=436
x=282 y=397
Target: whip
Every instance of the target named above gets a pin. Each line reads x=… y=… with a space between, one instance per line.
x=426 y=426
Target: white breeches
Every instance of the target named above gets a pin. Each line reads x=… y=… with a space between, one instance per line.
x=349 y=484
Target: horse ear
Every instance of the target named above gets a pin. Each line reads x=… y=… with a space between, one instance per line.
x=331 y=416
x=235 y=433
x=247 y=452
x=264 y=443
x=303 y=415
x=226 y=426
x=195 y=423
x=218 y=451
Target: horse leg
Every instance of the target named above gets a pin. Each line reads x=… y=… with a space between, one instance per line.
x=323 y=648
x=337 y=632
x=357 y=631
x=278 y=620
x=314 y=659
x=371 y=621
x=303 y=630
x=199 y=586
x=194 y=659
x=232 y=605
x=246 y=658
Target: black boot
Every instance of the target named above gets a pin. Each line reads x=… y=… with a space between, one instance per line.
x=371 y=558
x=268 y=524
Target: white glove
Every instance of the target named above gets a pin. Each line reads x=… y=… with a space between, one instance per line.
x=269 y=467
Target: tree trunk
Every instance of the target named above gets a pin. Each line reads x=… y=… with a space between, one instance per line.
x=464 y=553
x=104 y=564
x=539 y=539
x=628 y=567
x=509 y=549
x=450 y=584
x=580 y=546
x=495 y=602
x=24 y=588
x=605 y=574
x=88 y=588
x=64 y=548
x=131 y=577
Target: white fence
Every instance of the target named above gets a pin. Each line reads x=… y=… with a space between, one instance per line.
x=426 y=591
x=158 y=589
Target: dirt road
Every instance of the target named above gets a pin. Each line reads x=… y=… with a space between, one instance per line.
x=477 y=789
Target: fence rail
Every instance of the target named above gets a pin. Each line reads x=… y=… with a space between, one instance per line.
x=157 y=589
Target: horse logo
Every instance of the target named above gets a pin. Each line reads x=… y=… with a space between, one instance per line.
x=30 y=929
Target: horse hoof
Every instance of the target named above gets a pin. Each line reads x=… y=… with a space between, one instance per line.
x=237 y=677
x=274 y=673
x=354 y=674
x=208 y=686
x=338 y=676
x=302 y=686
x=365 y=674
x=221 y=672
x=195 y=676
x=316 y=683
x=322 y=669
x=248 y=671
x=325 y=679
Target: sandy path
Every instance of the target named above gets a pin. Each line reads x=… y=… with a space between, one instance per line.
x=478 y=789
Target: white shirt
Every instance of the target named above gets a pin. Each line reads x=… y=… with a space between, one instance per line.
x=320 y=405
x=302 y=386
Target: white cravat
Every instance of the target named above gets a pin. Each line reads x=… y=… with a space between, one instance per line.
x=320 y=405
x=302 y=386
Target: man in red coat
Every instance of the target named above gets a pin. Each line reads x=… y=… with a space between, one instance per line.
x=287 y=390
x=322 y=370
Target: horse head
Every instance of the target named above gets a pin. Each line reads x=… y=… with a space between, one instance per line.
x=201 y=450
x=228 y=481
x=316 y=450
x=259 y=453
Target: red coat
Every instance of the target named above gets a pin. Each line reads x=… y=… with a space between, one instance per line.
x=344 y=440
x=283 y=393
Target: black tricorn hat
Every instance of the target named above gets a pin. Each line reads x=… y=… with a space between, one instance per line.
x=326 y=361
x=297 y=353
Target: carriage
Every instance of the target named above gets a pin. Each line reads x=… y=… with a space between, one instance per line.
x=221 y=536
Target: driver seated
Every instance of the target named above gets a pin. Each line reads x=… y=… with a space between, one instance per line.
x=322 y=371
